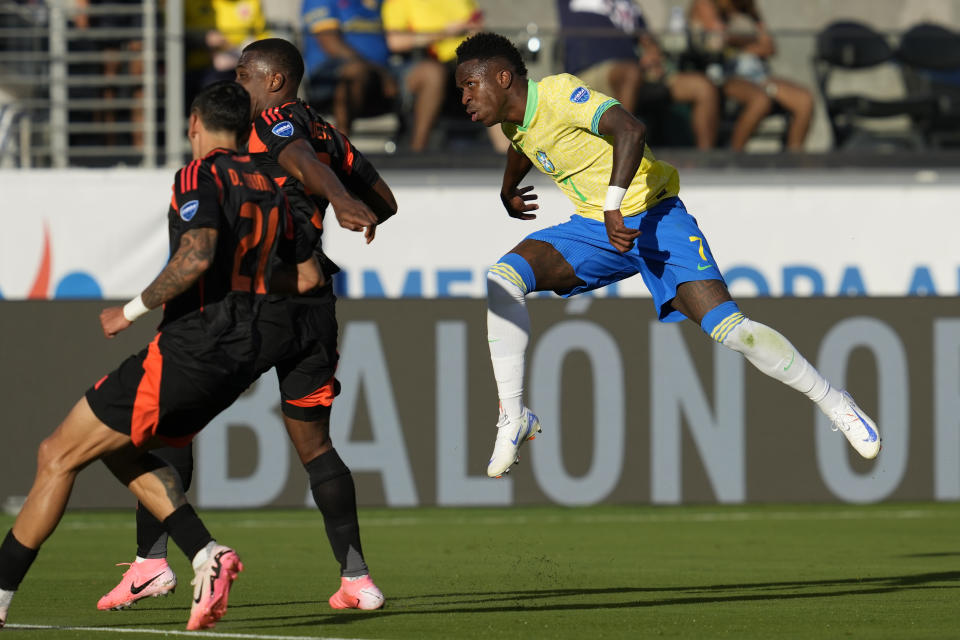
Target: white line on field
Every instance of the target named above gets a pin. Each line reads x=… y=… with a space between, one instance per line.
x=169 y=632
x=568 y=518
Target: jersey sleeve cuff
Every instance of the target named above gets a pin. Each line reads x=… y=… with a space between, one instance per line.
x=595 y=123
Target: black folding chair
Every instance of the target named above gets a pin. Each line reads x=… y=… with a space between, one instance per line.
x=930 y=60
x=855 y=46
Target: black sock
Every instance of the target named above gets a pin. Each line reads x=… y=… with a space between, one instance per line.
x=151 y=536
x=336 y=497
x=15 y=561
x=186 y=529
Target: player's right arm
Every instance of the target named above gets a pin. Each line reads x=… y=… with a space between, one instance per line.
x=300 y=161
x=516 y=199
x=196 y=209
x=192 y=258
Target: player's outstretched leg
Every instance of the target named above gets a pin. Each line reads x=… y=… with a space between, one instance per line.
x=508 y=331
x=331 y=484
x=149 y=574
x=775 y=356
x=215 y=566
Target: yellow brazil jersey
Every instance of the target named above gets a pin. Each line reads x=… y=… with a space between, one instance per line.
x=429 y=16
x=559 y=135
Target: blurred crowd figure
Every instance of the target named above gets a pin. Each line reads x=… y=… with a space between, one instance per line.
x=608 y=46
x=734 y=31
x=366 y=57
x=424 y=35
x=215 y=32
x=347 y=60
x=115 y=64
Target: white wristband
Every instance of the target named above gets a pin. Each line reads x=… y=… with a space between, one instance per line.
x=614 y=198
x=134 y=309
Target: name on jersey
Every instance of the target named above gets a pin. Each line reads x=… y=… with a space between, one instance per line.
x=256 y=181
x=580 y=95
x=189 y=209
x=283 y=129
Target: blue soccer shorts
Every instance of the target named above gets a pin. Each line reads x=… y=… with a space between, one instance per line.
x=670 y=250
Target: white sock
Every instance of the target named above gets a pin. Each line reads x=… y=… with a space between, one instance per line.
x=508 y=332
x=203 y=555
x=771 y=353
x=5 y=598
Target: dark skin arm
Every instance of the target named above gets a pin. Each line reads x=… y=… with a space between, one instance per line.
x=300 y=161
x=629 y=140
x=517 y=200
x=292 y=281
x=192 y=258
x=379 y=198
x=333 y=44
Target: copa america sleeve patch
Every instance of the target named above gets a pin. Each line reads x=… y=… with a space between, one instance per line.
x=189 y=209
x=283 y=129
x=580 y=95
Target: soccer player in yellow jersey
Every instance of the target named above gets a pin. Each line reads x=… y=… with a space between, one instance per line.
x=628 y=220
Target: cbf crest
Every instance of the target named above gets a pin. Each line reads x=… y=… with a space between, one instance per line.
x=545 y=162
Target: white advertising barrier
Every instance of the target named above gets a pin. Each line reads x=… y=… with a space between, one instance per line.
x=796 y=233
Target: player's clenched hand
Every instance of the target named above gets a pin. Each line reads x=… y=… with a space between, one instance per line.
x=621 y=236
x=370 y=233
x=519 y=202
x=353 y=214
x=113 y=321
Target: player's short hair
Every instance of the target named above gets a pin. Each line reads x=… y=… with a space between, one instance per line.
x=486 y=46
x=224 y=106
x=279 y=55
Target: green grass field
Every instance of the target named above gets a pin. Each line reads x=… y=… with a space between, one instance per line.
x=887 y=571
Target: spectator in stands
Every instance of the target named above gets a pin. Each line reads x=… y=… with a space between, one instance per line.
x=346 y=55
x=426 y=34
x=216 y=33
x=115 y=63
x=736 y=28
x=600 y=40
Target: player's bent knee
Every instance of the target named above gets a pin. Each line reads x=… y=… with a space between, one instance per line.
x=512 y=275
x=719 y=322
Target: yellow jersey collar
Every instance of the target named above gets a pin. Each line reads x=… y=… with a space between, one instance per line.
x=532 y=98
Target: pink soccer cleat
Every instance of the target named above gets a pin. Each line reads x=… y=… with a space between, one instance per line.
x=211 y=587
x=148 y=579
x=357 y=593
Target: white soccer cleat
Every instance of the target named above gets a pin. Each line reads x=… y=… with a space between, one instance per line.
x=510 y=435
x=857 y=426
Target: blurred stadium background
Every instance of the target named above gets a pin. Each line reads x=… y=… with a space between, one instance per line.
x=847 y=248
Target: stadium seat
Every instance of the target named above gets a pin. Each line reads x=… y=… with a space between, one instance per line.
x=930 y=59
x=855 y=47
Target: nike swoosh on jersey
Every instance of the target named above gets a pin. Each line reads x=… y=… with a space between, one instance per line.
x=701 y=267
x=134 y=589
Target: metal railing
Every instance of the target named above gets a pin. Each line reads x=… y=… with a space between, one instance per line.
x=76 y=89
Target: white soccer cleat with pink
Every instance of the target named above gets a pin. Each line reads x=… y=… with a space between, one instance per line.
x=357 y=593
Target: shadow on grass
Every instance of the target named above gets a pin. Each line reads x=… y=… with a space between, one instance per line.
x=534 y=600
x=586 y=599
